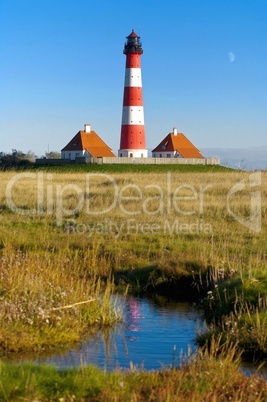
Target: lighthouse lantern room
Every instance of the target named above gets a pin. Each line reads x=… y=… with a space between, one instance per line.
x=133 y=142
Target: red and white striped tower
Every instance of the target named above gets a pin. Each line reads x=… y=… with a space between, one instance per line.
x=133 y=141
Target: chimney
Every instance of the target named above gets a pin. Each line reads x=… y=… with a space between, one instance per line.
x=87 y=128
x=174 y=130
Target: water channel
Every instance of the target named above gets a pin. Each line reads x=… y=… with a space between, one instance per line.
x=153 y=335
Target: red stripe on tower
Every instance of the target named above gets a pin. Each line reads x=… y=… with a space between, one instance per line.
x=133 y=141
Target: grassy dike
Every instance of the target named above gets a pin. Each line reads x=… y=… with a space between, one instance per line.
x=72 y=235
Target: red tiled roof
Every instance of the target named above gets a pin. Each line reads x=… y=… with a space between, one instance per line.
x=90 y=142
x=178 y=143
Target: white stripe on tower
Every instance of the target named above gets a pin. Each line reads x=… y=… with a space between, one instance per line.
x=133 y=77
x=133 y=115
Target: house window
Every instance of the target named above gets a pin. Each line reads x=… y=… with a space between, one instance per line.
x=163 y=146
x=131 y=155
x=120 y=154
x=160 y=155
x=142 y=155
x=154 y=155
x=69 y=155
x=168 y=155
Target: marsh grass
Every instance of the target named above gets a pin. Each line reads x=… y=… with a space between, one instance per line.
x=46 y=301
x=237 y=309
x=47 y=262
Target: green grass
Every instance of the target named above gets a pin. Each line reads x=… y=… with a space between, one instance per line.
x=124 y=168
x=45 y=383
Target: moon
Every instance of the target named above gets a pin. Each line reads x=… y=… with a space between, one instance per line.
x=231 y=57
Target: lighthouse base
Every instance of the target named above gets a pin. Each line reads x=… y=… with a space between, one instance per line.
x=133 y=153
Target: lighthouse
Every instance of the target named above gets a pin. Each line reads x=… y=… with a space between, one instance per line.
x=133 y=141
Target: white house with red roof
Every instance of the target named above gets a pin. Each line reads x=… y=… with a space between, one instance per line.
x=86 y=143
x=176 y=145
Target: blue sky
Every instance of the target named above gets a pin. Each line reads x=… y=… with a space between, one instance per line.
x=204 y=70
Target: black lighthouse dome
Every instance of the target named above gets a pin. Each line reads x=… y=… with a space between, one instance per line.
x=133 y=44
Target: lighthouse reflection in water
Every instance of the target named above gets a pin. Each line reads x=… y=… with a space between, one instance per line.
x=153 y=335
x=133 y=316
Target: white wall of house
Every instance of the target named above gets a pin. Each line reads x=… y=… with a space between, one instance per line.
x=166 y=154
x=75 y=154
